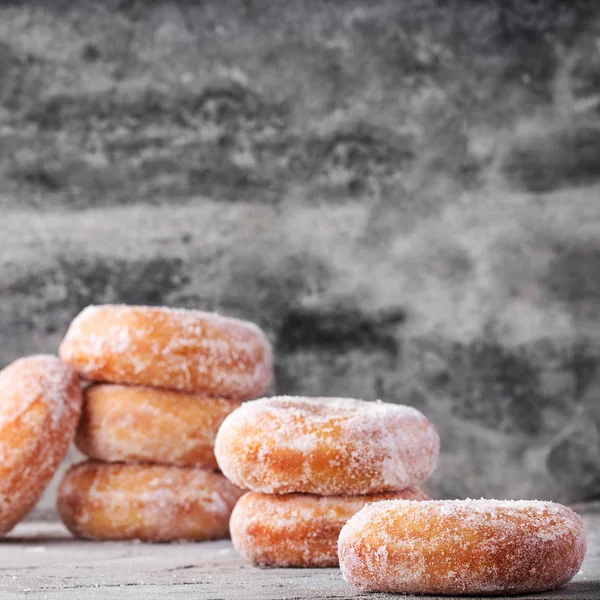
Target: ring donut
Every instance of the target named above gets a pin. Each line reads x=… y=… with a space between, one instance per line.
x=326 y=446
x=140 y=424
x=146 y=502
x=40 y=403
x=297 y=530
x=462 y=547
x=184 y=350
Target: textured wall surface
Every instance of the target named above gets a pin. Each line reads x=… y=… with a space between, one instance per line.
x=405 y=195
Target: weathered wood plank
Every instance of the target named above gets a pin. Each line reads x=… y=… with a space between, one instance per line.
x=41 y=561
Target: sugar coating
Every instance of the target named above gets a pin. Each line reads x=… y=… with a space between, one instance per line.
x=177 y=349
x=462 y=547
x=141 y=424
x=146 y=502
x=40 y=404
x=326 y=446
x=297 y=530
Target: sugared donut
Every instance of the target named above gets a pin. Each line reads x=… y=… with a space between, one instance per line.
x=462 y=547
x=146 y=502
x=40 y=403
x=297 y=530
x=141 y=424
x=326 y=446
x=182 y=350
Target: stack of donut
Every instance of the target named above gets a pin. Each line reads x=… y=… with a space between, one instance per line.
x=161 y=383
x=312 y=463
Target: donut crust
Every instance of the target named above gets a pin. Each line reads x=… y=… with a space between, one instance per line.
x=326 y=446
x=297 y=530
x=183 y=350
x=462 y=547
x=140 y=424
x=146 y=502
x=40 y=404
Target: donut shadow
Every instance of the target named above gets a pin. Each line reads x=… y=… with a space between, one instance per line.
x=575 y=590
x=38 y=540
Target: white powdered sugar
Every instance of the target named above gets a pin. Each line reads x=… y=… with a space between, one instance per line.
x=172 y=348
x=41 y=378
x=40 y=403
x=297 y=529
x=141 y=424
x=462 y=546
x=326 y=446
x=148 y=502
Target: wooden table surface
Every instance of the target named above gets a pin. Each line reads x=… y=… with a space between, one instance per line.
x=42 y=561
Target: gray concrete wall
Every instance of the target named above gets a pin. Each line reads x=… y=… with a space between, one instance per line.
x=406 y=196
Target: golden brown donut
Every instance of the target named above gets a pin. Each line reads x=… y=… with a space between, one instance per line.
x=326 y=446
x=297 y=530
x=462 y=547
x=184 y=350
x=141 y=424
x=40 y=403
x=146 y=502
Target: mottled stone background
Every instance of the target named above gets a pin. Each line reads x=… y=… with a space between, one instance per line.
x=405 y=195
